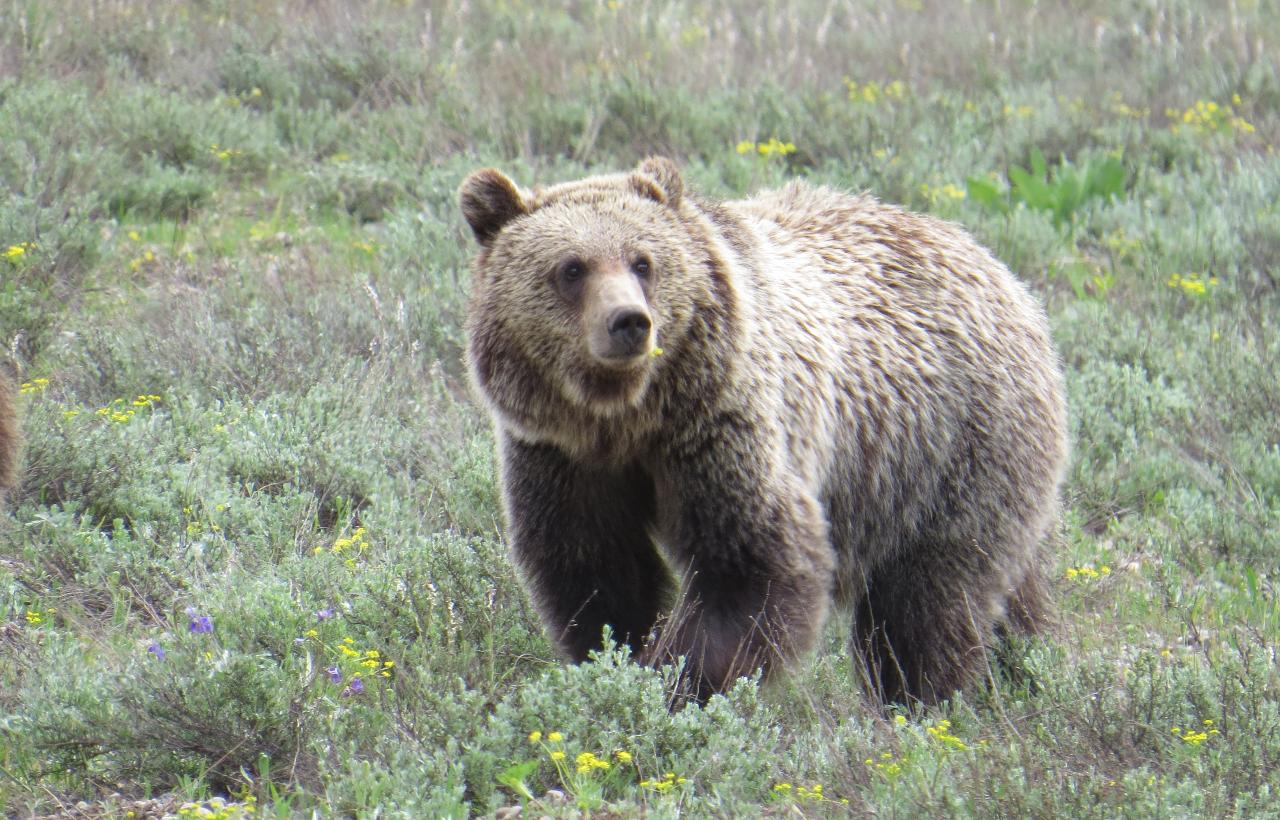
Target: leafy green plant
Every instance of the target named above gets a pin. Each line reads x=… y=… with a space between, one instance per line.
x=1061 y=193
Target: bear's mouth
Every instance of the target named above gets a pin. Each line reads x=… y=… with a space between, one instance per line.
x=614 y=383
x=624 y=361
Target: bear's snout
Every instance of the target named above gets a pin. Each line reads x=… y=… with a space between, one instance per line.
x=629 y=330
x=618 y=323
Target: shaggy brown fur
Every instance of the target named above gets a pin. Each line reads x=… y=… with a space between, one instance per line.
x=853 y=404
x=10 y=438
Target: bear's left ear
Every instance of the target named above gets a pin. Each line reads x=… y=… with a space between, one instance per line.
x=658 y=178
x=489 y=200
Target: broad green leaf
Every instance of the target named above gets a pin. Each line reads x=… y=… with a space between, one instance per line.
x=1034 y=192
x=514 y=778
x=985 y=192
x=1106 y=178
x=1038 y=166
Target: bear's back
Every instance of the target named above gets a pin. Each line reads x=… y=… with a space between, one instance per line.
x=913 y=361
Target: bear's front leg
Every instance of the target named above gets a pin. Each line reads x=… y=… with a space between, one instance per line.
x=581 y=539
x=756 y=564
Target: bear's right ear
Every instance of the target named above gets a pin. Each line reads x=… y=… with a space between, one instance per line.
x=489 y=200
x=659 y=179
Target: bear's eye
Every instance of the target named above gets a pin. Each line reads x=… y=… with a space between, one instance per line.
x=641 y=267
x=572 y=271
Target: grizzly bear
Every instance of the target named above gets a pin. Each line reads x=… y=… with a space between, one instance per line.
x=716 y=419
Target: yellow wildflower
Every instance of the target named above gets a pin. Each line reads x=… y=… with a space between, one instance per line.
x=588 y=762
x=773 y=148
x=941 y=732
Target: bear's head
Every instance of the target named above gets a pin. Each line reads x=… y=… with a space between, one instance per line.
x=578 y=283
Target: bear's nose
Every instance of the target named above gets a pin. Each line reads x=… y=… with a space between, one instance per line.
x=629 y=327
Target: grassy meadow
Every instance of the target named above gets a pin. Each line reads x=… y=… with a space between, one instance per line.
x=255 y=564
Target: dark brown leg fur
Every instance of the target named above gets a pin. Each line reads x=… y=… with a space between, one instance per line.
x=731 y=634
x=922 y=629
x=581 y=539
x=756 y=565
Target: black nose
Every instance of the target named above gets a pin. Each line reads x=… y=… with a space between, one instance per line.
x=629 y=328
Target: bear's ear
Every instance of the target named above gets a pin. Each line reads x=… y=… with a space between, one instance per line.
x=659 y=179
x=489 y=200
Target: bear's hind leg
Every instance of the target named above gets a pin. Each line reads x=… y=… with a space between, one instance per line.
x=1029 y=607
x=922 y=628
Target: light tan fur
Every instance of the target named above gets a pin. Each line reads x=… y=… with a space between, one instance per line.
x=10 y=438
x=853 y=403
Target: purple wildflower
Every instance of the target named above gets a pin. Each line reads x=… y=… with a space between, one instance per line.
x=324 y=614
x=355 y=687
x=334 y=673
x=157 y=650
x=200 y=623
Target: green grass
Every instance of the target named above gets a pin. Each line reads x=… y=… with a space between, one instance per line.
x=247 y=210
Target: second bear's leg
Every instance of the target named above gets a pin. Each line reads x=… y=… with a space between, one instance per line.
x=580 y=538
